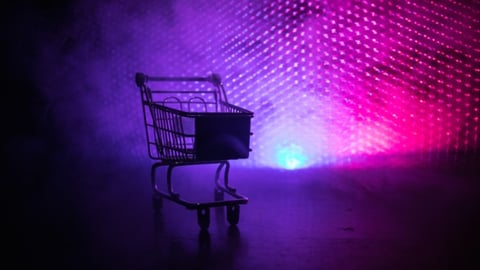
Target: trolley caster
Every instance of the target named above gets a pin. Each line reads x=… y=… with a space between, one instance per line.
x=233 y=214
x=203 y=218
x=218 y=194
x=157 y=202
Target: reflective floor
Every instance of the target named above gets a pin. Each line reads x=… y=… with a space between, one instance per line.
x=98 y=215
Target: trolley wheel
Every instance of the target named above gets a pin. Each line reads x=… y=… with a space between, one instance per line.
x=203 y=218
x=157 y=202
x=218 y=194
x=233 y=214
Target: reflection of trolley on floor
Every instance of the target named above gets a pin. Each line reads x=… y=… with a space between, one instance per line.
x=188 y=122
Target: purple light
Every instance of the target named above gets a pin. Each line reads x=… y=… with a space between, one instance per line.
x=291 y=157
x=327 y=80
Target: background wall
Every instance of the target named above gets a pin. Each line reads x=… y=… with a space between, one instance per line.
x=330 y=82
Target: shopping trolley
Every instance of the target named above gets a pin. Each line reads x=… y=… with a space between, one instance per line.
x=189 y=121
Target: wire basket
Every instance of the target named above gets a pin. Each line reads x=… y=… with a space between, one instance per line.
x=190 y=119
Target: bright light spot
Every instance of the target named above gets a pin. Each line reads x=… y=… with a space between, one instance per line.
x=291 y=157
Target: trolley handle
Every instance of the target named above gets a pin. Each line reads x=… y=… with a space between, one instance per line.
x=214 y=78
x=141 y=79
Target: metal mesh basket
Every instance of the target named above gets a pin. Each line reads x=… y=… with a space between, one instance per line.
x=190 y=119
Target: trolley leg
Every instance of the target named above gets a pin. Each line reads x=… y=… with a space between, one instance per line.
x=153 y=176
x=217 y=174
x=233 y=214
x=203 y=217
x=225 y=177
x=157 y=202
x=221 y=166
x=169 y=182
x=218 y=194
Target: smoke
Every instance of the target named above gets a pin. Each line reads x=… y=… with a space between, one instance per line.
x=85 y=66
x=336 y=78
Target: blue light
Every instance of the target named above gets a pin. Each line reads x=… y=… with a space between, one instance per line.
x=291 y=157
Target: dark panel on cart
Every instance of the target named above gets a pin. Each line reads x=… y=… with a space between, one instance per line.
x=222 y=137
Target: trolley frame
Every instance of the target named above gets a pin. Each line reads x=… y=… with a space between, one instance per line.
x=194 y=126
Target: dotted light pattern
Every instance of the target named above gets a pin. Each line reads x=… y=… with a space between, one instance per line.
x=328 y=81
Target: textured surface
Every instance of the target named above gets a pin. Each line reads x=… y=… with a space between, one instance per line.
x=85 y=216
x=328 y=81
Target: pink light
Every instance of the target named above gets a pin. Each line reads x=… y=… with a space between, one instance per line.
x=328 y=80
